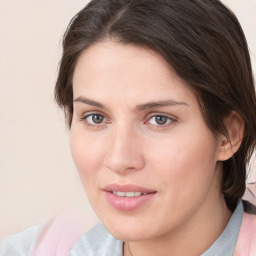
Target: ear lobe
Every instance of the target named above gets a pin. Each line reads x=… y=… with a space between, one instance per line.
x=229 y=145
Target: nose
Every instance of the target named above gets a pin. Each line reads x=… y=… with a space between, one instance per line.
x=125 y=151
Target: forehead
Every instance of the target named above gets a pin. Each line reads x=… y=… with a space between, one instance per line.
x=103 y=56
x=127 y=69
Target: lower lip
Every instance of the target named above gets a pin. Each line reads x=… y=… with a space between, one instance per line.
x=127 y=203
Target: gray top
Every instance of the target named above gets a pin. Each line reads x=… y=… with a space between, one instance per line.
x=20 y=243
x=99 y=242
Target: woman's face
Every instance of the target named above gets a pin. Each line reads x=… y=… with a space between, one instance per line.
x=146 y=158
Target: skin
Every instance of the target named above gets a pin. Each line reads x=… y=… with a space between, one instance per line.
x=126 y=145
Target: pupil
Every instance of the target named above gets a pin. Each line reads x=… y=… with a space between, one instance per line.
x=161 y=120
x=97 y=119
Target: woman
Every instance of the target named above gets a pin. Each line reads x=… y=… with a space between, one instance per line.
x=160 y=101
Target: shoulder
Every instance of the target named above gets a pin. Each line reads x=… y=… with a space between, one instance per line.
x=97 y=242
x=20 y=243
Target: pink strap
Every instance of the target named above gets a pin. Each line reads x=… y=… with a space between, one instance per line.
x=246 y=244
x=57 y=237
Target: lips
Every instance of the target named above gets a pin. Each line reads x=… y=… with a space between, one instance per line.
x=127 y=197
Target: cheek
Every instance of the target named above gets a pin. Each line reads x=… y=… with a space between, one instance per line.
x=185 y=170
x=185 y=161
x=87 y=154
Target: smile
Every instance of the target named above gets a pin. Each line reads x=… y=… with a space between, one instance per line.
x=128 y=194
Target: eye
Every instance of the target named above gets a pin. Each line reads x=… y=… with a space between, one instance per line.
x=160 y=120
x=94 y=119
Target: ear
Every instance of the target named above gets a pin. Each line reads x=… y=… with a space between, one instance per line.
x=228 y=146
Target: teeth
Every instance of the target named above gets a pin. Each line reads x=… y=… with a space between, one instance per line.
x=120 y=193
x=128 y=194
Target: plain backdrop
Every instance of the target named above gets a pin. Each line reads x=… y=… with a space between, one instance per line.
x=37 y=176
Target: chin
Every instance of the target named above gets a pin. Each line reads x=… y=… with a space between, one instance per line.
x=124 y=235
x=128 y=231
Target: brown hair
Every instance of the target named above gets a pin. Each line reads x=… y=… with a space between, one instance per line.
x=204 y=43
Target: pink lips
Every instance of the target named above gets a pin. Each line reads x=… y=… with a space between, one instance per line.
x=123 y=203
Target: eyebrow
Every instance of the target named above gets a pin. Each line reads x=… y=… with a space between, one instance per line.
x=159 y=104
x=89 y=102
x=142 y=107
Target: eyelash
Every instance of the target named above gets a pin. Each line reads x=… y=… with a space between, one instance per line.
x=169 y=119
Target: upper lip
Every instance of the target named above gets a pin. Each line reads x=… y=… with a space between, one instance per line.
x=127 y=188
